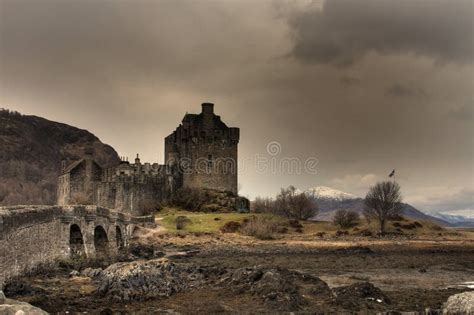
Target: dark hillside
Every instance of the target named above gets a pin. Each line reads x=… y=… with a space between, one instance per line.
x=31 y=151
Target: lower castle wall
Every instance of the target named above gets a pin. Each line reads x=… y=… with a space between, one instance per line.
x=133 y=198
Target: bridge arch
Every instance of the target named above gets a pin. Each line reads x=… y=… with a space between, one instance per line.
x=76 y=241
x=101 y=242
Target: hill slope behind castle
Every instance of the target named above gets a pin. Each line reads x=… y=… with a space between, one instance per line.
x=31 y=151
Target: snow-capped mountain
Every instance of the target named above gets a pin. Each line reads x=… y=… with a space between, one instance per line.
x=324 y=192
x=459 y=220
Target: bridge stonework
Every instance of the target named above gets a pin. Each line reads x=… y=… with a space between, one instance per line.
x=31 y=235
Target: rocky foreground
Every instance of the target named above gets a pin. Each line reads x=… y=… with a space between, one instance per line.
x=285 y=289
x=13 y=307
x=255 y=279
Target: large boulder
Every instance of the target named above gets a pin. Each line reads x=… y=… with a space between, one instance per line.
x=13 y=307
x=140 y=280
x=358 y=294
x=277 y=286
x=462 y=303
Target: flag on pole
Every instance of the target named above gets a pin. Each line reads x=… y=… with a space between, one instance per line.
x=392 y=174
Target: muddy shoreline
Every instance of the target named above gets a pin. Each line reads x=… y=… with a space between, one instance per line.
x=412 y=277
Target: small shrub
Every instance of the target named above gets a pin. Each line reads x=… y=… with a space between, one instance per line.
x=408 y=226
x=396 y=224
x=150 y=207
x=211 y=208
x=295 y=224
x=418 y=224
x=341 y=233
x=282 y=230
x=397 y=218
x=217 y=219
x=260 y=227
x=299 y=230
x=321 y=234
x=230 y=227
x=345 y=219
x=365 y=232
x=181 y=222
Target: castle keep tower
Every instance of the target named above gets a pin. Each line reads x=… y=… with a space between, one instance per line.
x=205 y=151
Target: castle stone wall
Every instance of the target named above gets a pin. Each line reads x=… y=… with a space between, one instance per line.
x=219 y=172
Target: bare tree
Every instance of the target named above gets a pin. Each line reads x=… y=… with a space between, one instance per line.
x=295 y=205
x=383 y=202
x=305 y=206
x=262 y=205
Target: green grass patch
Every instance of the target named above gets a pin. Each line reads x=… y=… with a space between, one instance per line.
x=198 y=221
x=201 y=222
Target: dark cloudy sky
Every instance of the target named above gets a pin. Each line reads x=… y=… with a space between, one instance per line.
x=363 y=86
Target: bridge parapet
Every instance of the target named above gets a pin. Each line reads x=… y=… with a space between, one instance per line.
x=18 y=217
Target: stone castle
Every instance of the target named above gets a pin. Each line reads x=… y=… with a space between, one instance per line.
x=200 y=154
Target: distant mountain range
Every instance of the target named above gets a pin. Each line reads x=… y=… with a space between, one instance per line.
x=456 y=220
x=330 y=200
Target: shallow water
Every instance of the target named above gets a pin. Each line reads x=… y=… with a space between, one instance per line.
x=467 y=284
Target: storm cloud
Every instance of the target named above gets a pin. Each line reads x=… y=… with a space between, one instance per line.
x=402 y=90
x=279 y=69
x=342 y=32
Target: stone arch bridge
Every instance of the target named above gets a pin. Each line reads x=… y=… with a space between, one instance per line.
x=30 y=235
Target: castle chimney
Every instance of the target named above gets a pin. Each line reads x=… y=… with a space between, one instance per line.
x=137 y=159
x=207 y=109
x=88 y=153
x=208 y=114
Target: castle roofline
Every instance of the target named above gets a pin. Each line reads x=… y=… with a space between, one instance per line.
x=75 y=164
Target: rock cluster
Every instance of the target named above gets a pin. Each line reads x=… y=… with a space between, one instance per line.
x=462 y=303
x=141 y=280
x=359 y=293
x=91 y=272
x=280 y=286
x=13 y=307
